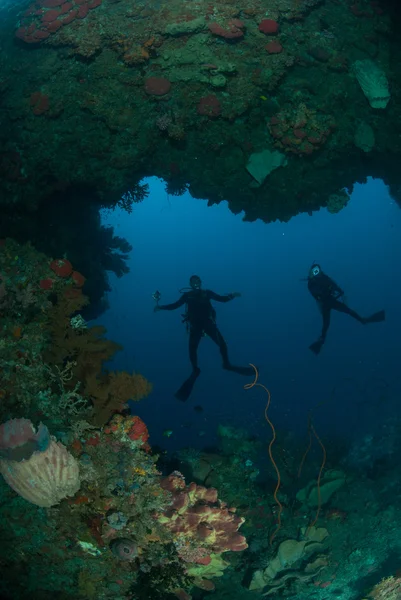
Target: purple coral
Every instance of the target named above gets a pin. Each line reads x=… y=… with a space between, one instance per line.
x=19 y=440
x=124 y=549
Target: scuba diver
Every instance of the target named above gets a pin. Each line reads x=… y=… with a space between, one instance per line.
x=200 y=318
x=327 y=294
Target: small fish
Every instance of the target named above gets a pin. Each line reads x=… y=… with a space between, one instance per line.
x=198 y=408
x=168 y=432
x=263 y=97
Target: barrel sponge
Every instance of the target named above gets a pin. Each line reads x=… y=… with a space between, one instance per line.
x=373 y=82
x=45 y=478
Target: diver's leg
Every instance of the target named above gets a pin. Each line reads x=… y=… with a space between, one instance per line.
x=211 y=330
x=341 y=307
x=325 y=310
x=195 y=335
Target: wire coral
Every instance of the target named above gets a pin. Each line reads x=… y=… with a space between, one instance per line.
x=312 y=430
x=249 y=386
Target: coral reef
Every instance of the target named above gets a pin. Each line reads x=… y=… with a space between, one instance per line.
x=85 y=498
x=94 y=249
x=233 y=80
x=89 y=510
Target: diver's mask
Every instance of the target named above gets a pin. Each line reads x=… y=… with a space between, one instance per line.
x=314 y=271
x=195 y=282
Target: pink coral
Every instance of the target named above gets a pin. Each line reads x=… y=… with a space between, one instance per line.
x=19 y=439
x=274 y=47
x=157 y=86
x=268 y=26
x=15 y=433
x=209 y=106
x=39 y=103
x=61 y=267
x=233 y=30
x=78 y=279
x=50 y=15
x=44 y=17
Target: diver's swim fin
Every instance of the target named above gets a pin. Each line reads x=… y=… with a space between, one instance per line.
x=185 y=390
x=316 y=346
x=248 y=371
x=377 y=317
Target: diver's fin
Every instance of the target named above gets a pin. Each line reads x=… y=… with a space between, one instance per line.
x=377 y=317
x=248 y=371
x=185 y=390
x=316 y=346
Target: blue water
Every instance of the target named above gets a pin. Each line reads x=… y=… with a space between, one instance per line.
x=271 y=325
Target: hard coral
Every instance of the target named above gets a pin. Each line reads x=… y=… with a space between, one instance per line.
x=44 y=17
x=78 y=279
x=209 y=106
x=131 y=428
x=302 y=131
x=274 y=47
x=46 y=284
x=233 y=30
x=268 y=26
x=61 y=267
x=39 y=103
x=157 y=86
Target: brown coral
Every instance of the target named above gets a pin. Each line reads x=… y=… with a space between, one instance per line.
x=86 y=349
x=111 y=391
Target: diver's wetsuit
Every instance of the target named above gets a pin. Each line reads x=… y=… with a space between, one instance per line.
x=200 y=316
x=327 y=293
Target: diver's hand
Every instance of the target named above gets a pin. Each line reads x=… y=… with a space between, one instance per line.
x=157 y=308
x=234 y=295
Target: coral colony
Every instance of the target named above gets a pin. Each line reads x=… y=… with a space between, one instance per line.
x=213 y=87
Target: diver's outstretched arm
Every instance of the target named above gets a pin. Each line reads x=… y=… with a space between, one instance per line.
x=225 y=298
x=173 y=305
